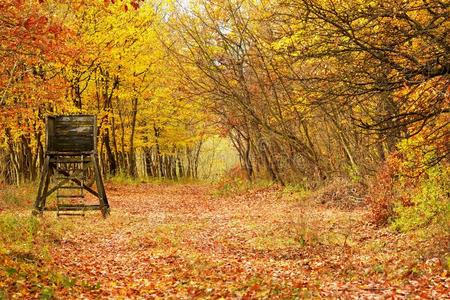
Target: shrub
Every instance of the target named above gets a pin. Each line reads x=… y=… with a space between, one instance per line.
x=14 y=197
x=28 y=234
x=429 y=202
x=341 y=193
x=383 y=191
x=17 y=231
x=411 y=189
x=25 y=271
x=236 y=182
x=295 y=192
x=232 y=183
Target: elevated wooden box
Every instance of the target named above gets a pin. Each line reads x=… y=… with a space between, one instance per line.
x=73 y=134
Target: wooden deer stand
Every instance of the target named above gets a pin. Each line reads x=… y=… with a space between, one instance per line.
x=70 y=157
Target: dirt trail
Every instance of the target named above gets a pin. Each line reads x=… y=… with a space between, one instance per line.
x=180 y=242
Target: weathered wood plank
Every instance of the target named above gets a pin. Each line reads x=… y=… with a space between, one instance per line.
x=74 y=130
x=69 y=148
x=74 y=137
x=73 y=133
x=76 y=118
x=72 y=142
x=74 y=123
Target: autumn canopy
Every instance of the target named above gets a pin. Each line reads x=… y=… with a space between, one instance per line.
x=317 y=94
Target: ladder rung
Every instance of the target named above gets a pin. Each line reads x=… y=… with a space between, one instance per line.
x=70 y=214
x=74 y=207
x=86 y=208
x=81 y=207
x=69 y=196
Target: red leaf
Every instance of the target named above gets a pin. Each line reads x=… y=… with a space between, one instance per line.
x=135 y=4
x=30 y=22
x=42 y=20
x=54 y=29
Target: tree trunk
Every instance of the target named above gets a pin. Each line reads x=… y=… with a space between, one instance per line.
x=132 y=169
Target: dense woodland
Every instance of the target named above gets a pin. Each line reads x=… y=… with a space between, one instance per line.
x=338 y=117
x=307 y=91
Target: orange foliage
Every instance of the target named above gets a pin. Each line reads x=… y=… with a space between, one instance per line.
x=33 y=41
x=382 y=193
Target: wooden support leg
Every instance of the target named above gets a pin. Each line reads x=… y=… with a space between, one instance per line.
x=100 y=187
x=43 y=187
x=45 y=191
x=86 y=187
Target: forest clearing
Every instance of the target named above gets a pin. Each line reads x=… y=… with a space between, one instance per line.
x=187 y=241
x=237 y=149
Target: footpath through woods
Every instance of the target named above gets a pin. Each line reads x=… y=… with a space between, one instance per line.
x=186 y=241
x=182 y=242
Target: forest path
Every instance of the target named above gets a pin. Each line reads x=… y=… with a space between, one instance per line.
x=179 y=241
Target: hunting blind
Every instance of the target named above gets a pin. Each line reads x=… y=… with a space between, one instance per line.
x=71 y=166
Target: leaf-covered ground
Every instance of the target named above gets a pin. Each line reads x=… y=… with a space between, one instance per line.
x=173 y=241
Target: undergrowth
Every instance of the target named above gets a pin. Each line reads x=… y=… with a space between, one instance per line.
x=124 y=179
x=296 y=192
x=25 y=260
x=429 y=203
x=341 y=193
x=419 y=208
x=13 y=197
x=237 y=186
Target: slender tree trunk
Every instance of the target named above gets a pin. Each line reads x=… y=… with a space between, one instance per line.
x=132 y=169
x=109 y=154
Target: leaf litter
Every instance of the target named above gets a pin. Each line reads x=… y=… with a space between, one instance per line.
x=181 y=242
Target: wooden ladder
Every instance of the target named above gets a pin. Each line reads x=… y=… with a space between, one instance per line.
x=74 y=202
